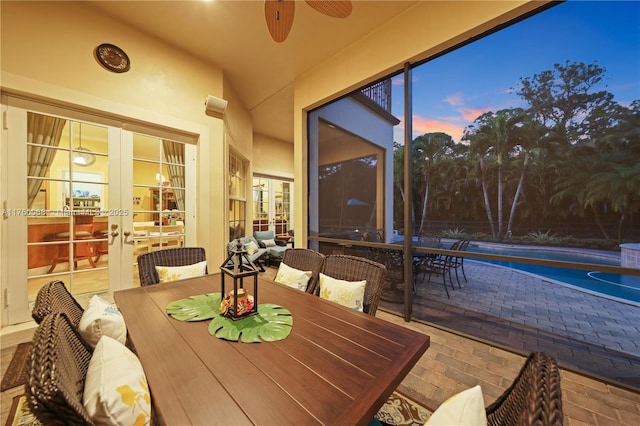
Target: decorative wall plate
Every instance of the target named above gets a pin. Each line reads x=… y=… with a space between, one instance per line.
x=112 y=58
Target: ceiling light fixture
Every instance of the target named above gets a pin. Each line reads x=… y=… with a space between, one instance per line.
x=82 y=156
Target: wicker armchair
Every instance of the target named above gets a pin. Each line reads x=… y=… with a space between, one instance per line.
x=534 y=397
x=354 y=268
x=54 y=297
x=181 y=256
x=305 y=260
x=58 y=364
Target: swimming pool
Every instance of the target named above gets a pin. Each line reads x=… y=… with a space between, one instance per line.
x=625 y=288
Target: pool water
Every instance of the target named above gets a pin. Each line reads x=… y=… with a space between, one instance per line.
x=619 y=287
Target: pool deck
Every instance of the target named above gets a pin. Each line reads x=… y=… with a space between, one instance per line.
x=520 y=312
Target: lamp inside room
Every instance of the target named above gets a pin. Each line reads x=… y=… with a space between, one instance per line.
x=82 y=156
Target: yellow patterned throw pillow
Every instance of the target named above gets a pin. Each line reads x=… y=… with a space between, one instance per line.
x=464 y=408
x=251 y=248
x=346 y=293
x=116 y=390
x=173 y=273
x=292 y=277
x=101 y=318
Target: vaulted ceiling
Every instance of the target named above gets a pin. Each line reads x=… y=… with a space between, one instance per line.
x=234 y=36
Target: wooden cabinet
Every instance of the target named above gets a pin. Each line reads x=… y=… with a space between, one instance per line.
x=168 y=201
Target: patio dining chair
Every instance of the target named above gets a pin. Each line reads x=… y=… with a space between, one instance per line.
x=54 y=297
x=442 y=265
x=305 y=260
x=354 y=268
x=534 y=397
x=181 y=256
x=58 y=364
x=457 y=262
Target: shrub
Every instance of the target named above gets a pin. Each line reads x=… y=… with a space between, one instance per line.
x=540 y=237
x=454 y=233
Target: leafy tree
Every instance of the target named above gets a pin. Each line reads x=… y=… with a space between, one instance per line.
x=564 y=100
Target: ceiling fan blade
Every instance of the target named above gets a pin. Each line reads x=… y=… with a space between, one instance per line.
x=335 y=9
x=279 y=17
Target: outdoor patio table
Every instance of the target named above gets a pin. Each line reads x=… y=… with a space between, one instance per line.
x=337 y=366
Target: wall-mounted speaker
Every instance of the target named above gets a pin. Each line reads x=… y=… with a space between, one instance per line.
x=214 y=106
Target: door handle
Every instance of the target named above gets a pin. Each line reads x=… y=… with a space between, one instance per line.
x=127 y=234
x=114 y=233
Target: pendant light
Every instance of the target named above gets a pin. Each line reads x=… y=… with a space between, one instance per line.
x=82 y=156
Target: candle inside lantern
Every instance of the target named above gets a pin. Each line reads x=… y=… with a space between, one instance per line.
x=244 y=303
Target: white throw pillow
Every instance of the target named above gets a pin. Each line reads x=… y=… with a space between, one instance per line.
x=346 y=293
x=465 y=408
x=101 y=318
x=293 y=277
x=173 y=273
x=115 y=389
x=269 y=243
x=251 y=248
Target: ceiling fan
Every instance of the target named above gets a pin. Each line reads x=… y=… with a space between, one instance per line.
x=279 y=14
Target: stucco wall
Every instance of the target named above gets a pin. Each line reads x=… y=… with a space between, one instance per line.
x=272 y=157
x=47 y=53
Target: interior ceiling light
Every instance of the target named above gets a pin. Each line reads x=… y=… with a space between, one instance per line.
x=82 y=156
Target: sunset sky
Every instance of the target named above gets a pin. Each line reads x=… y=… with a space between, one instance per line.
x=451 y=91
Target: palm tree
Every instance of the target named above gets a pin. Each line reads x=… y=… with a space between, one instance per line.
x=572 y=184
x=431 y=149
x=619 y=187
x=526 y=138
x=492 y=138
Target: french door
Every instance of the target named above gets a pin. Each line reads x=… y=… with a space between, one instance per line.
x=272 y=205
x=79 y=186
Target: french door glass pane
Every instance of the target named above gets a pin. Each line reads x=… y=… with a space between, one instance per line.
x=67 y=179
x=159 y=219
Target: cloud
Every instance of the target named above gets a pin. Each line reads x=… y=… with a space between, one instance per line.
x=458 y=102
x=453 y=126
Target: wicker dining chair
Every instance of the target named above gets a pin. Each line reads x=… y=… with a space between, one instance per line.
x=55 y=297
x=181 y=256
x=305 y=260
x=534 y=397
x=58 y=364
x=354 y=268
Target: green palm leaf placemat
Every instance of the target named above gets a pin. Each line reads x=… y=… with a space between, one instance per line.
x=271 y=323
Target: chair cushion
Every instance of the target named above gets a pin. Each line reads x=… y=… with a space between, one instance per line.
x=116 y=390
x=276 y=251
x=233 y=245
x=464 y=408
x=293 y=277
x=102 y=318
x=173 y=273
x=269 y=243
x=264 y=235
x=346 y=293
x=251 y=247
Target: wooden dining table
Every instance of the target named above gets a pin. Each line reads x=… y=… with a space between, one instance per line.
x=337 y=366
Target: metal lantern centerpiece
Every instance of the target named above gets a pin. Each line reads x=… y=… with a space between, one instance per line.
x=238 y=303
